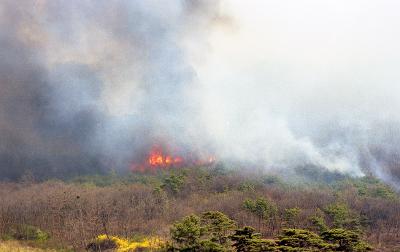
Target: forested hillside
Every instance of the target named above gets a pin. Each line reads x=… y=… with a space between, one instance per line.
x=203 y=209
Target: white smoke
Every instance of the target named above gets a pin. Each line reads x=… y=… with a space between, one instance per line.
x=314 y=82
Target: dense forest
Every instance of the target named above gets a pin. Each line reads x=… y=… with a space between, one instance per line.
x=202 y=209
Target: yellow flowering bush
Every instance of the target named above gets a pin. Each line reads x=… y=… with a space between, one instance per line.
x=125 y=245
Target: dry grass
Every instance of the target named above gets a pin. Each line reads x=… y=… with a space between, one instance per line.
x=14 y=246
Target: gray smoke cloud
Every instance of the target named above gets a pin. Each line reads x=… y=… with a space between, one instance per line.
x=86 y=85
x=91 y=85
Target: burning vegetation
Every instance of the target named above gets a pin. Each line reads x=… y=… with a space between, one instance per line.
x=159 y=157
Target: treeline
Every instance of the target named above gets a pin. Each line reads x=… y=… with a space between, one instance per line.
x=214 y=231
x=75 y=212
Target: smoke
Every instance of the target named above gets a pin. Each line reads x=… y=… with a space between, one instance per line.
x=86 y=85
x=307 y=83
x=90 y=85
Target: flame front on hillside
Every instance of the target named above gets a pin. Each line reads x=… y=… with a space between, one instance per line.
x=163 y=158
x=158 y=158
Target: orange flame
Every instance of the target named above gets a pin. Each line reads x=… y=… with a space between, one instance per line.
x=158 y=158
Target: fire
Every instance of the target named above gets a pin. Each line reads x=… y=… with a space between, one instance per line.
x=158 y=158
x=165 y=158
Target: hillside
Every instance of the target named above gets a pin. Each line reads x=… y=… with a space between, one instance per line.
x=71 y=214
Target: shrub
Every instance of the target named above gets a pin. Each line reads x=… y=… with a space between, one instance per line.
x=319 y=223
x=342 y=216
x=262 y=208
x=104 y=242
x=209 y=232
x=244 y=238
x=346 y=240
x=187 y=232
x=101 y=244
x=173 y=183
x=27 y=232
x=217 y=225
x=299 y=238
x=290 y=216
